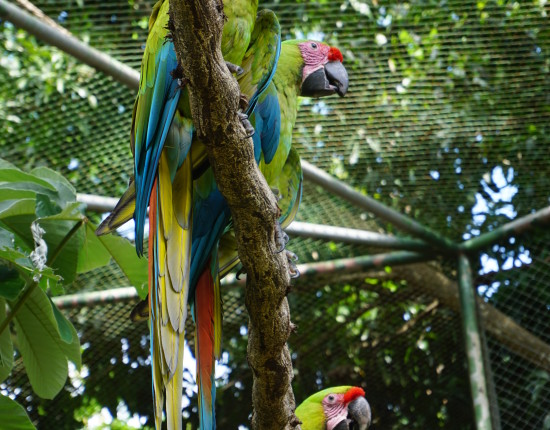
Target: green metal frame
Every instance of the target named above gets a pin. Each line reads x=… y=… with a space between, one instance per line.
x=429 y=244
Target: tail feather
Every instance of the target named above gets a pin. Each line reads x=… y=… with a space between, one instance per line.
x=174 y=395
x=158 y=381
x=207 y=313
x=156 y=355
x=122 y=213
x=168 y=291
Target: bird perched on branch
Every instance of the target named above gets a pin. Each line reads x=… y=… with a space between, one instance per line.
x=187 y=212
x=306 y=68
x=336 y=408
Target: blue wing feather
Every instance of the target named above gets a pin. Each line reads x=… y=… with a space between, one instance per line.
x=266 y=120
x=266 y=80
x=164 y=101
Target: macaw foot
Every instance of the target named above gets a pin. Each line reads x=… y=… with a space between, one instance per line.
x=140 y=311
x=292 y=268
x=281 y=238
x=246 y=124
x=243 y=102
x=233 y=68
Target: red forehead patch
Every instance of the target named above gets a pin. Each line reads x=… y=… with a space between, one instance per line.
x=334 y=54
x=353 y=392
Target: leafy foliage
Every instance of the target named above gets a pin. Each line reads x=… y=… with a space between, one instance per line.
x=45 y=240
x=13 y=416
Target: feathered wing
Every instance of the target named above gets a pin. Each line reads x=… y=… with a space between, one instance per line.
x=289 y=184
x=154 y=110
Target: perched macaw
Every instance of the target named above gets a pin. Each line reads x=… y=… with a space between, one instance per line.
x=336 y=408
x=306 y=68
x=187 y=214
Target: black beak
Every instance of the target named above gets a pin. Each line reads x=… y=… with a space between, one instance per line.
x=332 y=78
x=359 y=413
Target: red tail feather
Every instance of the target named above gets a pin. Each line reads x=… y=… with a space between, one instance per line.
x=204 y=348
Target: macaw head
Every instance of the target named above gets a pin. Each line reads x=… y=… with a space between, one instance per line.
x=336 y=408
x=323 y=73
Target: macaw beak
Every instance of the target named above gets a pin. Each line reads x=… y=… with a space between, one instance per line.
x=359 y=416
x=359 y=413
x=332 y=78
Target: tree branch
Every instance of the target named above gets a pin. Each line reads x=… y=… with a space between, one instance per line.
x=214 y=94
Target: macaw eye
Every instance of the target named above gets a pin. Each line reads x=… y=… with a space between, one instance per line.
x=331 y=398
x=314 y=45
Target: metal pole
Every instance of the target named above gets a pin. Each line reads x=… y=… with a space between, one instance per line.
x=96 y=203
x=71 y=45
x=320 y=177
x=351 y=235
x=347 y=265
x=473 y=345
x=357 y=264
x=301 y=229
x=95 y=297
x=518 y=226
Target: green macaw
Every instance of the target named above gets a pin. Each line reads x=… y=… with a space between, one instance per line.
x=336 y=408
x=306 y=68
x=187 y=213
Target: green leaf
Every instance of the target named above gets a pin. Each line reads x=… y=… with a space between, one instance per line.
x=10 y=208
x=6 y=347
x=57 y=228
x=63 y=324
x=7 y=192
x=45 y=206
x=16 y=175
x=13 y=415
x=65 y=189
x=122 y=251
x=12 y=283
x=93 y=254
x=44 y=352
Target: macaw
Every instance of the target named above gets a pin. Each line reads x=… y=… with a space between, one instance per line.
x=186 y=211
x=306 y=68
x=336 y=408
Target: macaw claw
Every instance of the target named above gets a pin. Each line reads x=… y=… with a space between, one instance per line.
x=233 y=68
x=281 y=238
x=293 y=268
x=246 y=124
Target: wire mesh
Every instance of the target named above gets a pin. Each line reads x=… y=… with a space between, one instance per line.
x=445 y=120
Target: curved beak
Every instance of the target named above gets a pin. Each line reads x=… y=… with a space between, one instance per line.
x=359 y=413
x=359 y=416
x=332 y=78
